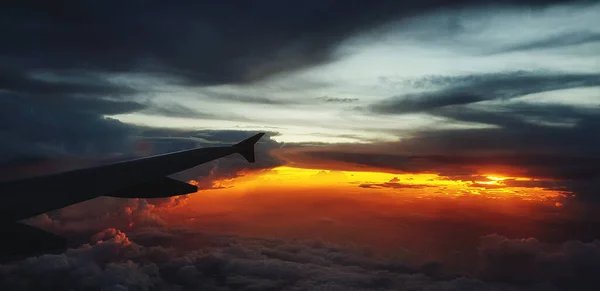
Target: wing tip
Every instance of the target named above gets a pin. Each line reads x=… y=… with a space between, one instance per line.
x=246 y=147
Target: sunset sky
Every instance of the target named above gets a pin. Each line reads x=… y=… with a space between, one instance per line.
x=434 y=145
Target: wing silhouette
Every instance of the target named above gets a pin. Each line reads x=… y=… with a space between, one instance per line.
x=139 y=178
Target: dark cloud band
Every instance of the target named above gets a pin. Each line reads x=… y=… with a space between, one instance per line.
x=465 y=90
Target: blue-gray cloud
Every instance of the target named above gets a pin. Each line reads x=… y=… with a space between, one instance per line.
x=555 y=41
x=337 y=99
x=464 y=90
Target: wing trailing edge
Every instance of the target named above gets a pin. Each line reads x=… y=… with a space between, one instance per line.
x=159 y=188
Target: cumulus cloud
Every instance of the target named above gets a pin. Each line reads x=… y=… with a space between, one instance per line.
x=103 y=212
x=113 y=260
x=570 y=265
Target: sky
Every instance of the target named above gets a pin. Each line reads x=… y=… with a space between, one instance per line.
x=410 y=145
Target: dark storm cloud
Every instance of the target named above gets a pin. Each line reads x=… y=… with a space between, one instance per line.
x=247 y=99
x=470 y=89
x=48 y=114
x=41 y=128
x=55 y=85
x=556 y=41
x=519 y=128
x=203 y=43
x=177 y=259
x=337 y=99
x=522 y=114
x=177 y=110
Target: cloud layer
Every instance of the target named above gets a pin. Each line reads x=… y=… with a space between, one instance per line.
x=114 y=261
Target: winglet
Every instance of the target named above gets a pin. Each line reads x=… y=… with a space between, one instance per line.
x=246 y=147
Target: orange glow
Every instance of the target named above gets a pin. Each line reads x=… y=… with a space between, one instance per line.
x=385 y=210
x=412 y=185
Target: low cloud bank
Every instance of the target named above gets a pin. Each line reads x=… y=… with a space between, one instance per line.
x=177 y=259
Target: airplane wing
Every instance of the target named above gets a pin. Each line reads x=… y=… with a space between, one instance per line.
x=139 y=178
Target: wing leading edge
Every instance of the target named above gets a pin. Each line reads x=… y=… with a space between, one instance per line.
x=139 y=178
